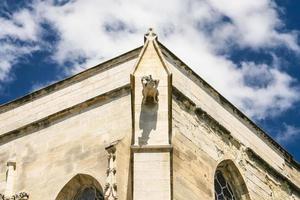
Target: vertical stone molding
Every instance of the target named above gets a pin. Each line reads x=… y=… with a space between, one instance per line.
x=10 y=176
x=10 y=179
x=110 y=192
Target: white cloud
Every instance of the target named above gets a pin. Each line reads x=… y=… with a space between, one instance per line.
x=9 y=55
x=20 y=27
x=289 y=134
x=202 y=33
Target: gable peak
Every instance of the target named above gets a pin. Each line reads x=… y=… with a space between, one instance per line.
x=150 y=35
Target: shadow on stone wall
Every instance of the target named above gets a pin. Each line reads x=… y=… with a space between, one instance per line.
x=148 y=121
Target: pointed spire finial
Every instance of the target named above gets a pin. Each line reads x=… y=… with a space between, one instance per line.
x=150 y=35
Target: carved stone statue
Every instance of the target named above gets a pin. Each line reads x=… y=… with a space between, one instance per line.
x=150 y=91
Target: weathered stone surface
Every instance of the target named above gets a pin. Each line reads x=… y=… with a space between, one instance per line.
x=66 y=97
x=49 y=158
x=198 y=92
x=199 y=147
x=151 y=176
x=151 y=109
x=58 y=138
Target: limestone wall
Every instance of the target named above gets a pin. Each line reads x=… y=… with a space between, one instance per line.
x=199 y=146
x=49 y=157
x=238 y=130
x=76 y=93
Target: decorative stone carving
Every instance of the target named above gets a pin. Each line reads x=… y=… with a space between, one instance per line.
x=150 y=35
x=150 y=92
x=110 y=191
x=19 y=196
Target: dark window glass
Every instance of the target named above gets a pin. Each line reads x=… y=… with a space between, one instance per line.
x=89 y=193
x=223 y=190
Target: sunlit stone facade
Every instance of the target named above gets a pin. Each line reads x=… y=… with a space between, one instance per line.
x=141 y=126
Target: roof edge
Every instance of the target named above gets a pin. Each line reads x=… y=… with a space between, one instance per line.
x=186 y=103
x=70 y=80
x=231 y=108
x=49 y=120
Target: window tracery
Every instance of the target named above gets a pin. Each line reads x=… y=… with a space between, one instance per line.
x=223 y=189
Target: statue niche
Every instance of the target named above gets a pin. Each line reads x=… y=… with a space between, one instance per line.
x=150 y=92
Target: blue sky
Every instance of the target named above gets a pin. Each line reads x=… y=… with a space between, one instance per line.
x=248 y=50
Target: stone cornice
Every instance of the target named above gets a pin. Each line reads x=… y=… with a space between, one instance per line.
x=264 y=164
x=151 y=148
x=51 y=119
x=71 y=80
x=191 y=107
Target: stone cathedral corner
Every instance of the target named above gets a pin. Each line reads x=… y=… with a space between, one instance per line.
x=141 y=126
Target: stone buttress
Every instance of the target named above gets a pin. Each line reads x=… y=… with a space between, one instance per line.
x=151 y=113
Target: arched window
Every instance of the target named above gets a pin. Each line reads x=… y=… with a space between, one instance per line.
x=81 y=187
x=229 y=183
x=89 y=193
x=223 y=189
